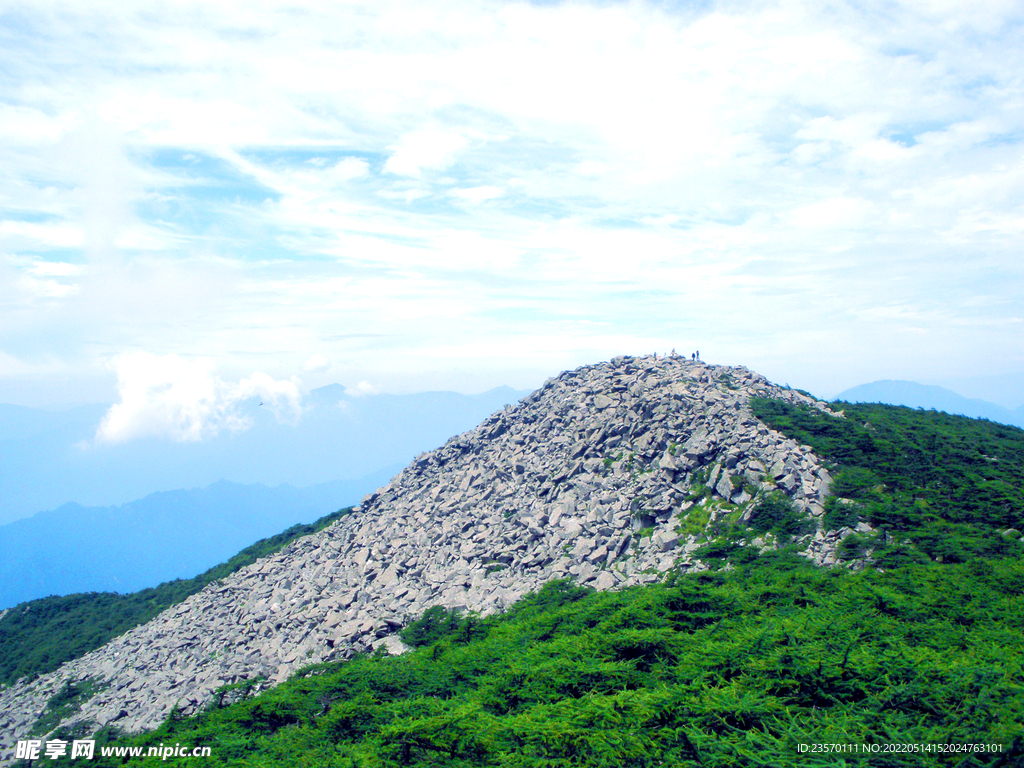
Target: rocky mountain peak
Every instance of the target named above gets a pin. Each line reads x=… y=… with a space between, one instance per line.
x=609 y=474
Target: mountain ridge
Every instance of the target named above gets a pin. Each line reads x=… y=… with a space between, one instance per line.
x=928 y=396
x=590 y=477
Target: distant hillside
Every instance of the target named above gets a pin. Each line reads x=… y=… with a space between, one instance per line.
x=50 y=458
x=914 y=395
x=169 y=535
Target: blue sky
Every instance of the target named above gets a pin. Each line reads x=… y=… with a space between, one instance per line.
x=434 y=195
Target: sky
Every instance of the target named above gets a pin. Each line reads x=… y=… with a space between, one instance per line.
x=207 y=202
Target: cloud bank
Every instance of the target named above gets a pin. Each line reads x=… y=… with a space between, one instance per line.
x=166 y=396
x=438 y=195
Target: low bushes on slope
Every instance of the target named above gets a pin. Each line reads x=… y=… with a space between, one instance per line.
x=934 y=486
x=735 y=667
x=38 y=636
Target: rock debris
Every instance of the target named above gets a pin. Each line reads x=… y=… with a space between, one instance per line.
x=591 y=477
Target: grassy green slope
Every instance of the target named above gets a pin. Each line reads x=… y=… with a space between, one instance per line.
x=734 y=667
x=38 y=636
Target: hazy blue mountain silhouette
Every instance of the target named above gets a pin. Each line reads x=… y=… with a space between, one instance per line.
x=164 y=536
x=50 y=458
x=926 y=396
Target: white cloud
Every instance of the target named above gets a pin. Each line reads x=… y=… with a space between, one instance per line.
x=46 y=289
x=27 y=125
x=832 y=214
x=282 y=397
x=42 y=279
x=33 y=235
x=170 y=397
x=362 y=389
x=316 y=364
x=265 y=186
x=419 y=150
x=350 y=168
x=55 y=269
x=477 y=195
x=592 y=169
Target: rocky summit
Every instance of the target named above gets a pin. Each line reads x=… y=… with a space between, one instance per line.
x=609 y=475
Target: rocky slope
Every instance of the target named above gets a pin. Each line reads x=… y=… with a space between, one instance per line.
x=592 y=477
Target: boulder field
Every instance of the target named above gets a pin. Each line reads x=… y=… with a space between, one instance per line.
x=609 y=474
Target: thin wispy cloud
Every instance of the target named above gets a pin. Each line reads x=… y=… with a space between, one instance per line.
x=435 y=194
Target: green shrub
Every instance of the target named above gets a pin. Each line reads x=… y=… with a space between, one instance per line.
x=66 y=702
x=435 y=623
x=840 y=513
x=943 y=486
x=774 y=512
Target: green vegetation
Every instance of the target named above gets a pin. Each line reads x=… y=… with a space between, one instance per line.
x=435 y=623
x=727 y=381
x=700 y=489
x=609 y=460
x=65 y=703
x=935 y=486
x=769 y=514
x=731 y=667
x=695 y=520
x=38 y=636
x=774 y=512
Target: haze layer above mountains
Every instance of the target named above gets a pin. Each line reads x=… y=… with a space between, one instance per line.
x=51 y=458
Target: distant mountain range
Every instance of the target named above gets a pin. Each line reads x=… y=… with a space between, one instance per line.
x=914 y=395
x=164 y=536
x=51 y=458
